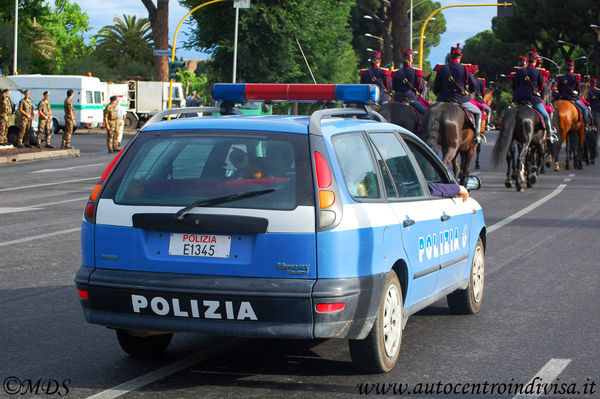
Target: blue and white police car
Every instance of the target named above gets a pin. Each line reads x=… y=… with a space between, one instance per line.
x=319 y=226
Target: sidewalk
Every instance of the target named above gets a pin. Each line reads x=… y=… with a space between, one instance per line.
x=13 y=155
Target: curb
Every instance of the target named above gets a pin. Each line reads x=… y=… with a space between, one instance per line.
x=34 y=156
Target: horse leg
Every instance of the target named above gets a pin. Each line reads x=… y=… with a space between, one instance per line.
x=580 y=146
x=477 y=156
x=520 y=165
x=508 y=181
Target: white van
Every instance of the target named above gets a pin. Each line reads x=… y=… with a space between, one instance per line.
x=87 y=96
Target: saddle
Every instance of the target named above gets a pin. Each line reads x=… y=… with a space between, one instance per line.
x=540 y=116
x=579 y=115
x=470 y=117
x=417 y=114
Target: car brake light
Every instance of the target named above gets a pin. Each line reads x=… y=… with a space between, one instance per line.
x=323 y=172
x=110 y=166
x=82 y=294
x=90 y=208
x=330 y=307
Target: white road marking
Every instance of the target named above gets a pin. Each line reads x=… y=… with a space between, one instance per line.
x=165 y=371
x=566 y=180
x=546 y=375
x=572 y=175
x=48 y=184
x=69 y=168
x=45 y=235
x=15 y=209
x=528 y=209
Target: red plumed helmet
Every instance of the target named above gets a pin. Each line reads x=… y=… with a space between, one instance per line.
x=408 y=53
x=456 y=50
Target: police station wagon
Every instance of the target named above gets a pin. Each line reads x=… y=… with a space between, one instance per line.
x=319 y=226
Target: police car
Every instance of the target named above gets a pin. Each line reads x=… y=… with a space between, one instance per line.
x=317 y=226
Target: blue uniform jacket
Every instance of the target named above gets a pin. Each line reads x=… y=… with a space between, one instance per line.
x=528 y=91
x=479 y=89
x=568 y=87
x=593 y=98
x=378 y=76
x=406 y=89
x=446 y=90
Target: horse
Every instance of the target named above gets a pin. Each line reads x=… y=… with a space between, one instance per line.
x=446 y=124
x=488 y=97
x=590 y=143
x=402 y=114
x=522 y=132
x=571 y=130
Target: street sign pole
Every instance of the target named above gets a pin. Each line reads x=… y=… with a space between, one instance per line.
x=237 y=4
x=16 y=33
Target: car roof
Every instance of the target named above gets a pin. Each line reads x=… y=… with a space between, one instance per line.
x=272 y=123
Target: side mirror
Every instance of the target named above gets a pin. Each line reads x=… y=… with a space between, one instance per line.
x=473 y=183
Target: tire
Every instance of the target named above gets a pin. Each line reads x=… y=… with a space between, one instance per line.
x=468 y=301
x=378 y=352
x=13 y=135
x=146 y=347
x=130 y=121
x=55 y=128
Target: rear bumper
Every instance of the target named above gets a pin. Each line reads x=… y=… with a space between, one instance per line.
x=233 y=306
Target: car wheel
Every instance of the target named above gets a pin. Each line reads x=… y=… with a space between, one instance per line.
x=130 y=122
x=55 y=128
x=379 y=351
x=13 y=135
x=468 y=301
x=150 y=346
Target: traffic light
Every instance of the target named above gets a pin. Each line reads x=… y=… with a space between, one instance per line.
x=506 y=11
x=173 y=67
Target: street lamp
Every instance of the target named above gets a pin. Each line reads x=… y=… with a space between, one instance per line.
x=548 y=59
x=586 y=56
x=373 y=36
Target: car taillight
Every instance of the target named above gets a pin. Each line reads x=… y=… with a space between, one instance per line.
x=90 y=208
x=330 y=307
x=326 y=197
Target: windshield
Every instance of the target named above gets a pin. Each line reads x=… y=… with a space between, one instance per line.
x=178 y=169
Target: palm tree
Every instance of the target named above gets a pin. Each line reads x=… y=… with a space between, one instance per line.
x=129 y=38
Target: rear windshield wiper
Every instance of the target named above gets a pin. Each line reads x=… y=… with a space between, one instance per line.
x=219 y=200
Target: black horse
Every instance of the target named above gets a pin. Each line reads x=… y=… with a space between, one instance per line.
x=522 y=143
x=590 y=142
x=402 y=114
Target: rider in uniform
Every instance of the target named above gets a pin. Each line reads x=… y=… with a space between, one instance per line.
x=452 y=83
x=528 y=84
x=593 y=97
x=376 y=75
x=569 y=85
x=407 y=83
x=480 y=92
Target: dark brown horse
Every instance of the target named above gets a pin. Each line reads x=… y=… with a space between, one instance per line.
x=488 y=97
x=521 y=141
x=571 y=130
x=402 y=114
x=447 y=126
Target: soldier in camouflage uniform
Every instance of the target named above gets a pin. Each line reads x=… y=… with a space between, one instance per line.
x=5 y=111
x=69 y=120
x=111 y=115
x=45 y=120
x=26 y=110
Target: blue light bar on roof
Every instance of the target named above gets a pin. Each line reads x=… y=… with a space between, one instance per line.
x=347 y=93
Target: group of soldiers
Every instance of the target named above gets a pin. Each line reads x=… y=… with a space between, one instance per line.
x=25 y=108
x=459 y=83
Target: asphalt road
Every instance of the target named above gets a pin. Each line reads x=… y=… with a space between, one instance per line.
x=540 y=315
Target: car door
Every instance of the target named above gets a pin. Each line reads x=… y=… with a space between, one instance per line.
x=418 y=217
x=455 y=221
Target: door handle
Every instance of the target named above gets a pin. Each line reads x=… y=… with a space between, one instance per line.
x=408 y=222
x=445 y=217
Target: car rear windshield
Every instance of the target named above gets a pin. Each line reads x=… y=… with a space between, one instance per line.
x=180 y=168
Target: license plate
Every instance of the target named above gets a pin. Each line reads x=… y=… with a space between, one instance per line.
x=205 y=245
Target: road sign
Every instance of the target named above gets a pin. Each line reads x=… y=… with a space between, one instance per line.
x=241 y=3
x=162 y=53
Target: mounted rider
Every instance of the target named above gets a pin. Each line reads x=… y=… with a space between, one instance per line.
x=521 y=63
x=480 y=92
x=407 y=83
x=376 y=75
x=528 y=85
x=593 y=97
x=453 y=83
x=569 y=86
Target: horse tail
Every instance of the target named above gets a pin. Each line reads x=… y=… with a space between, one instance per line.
x=431 y=126
x=591 y=142
x=504 y=137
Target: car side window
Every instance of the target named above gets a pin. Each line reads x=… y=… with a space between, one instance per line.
x=431 y=168
x=399 y=165
x=357 y=165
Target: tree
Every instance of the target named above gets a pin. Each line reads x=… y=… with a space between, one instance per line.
x=129 y=38
x=389 y=19
x=159 y=20
x=271 y=33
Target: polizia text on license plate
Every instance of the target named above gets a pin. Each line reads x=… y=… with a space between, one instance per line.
x=206 y=245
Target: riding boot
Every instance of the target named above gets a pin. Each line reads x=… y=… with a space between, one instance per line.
x=478 y=137
x=552 y=137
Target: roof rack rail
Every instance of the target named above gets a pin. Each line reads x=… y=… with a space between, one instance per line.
x=225 y=109
x=314 y=125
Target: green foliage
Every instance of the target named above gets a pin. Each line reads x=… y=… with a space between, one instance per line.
x=129 y=38
x=267 y=48
x=191 y=81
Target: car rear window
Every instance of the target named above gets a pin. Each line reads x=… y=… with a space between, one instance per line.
x=179 y=168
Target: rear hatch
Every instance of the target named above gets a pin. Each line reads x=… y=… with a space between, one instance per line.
x=220 y=203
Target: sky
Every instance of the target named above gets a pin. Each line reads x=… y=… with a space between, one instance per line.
x=461 y=23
